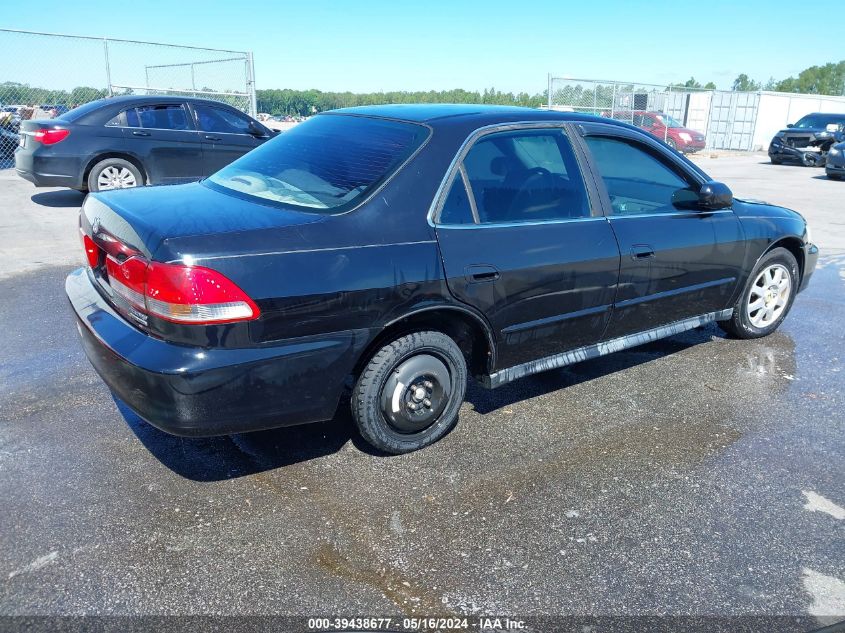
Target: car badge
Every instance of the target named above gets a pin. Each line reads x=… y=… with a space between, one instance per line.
x=95 y=227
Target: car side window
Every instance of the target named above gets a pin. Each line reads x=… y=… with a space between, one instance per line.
x=524 y=176
x=132 y=119
x=456 y=208
x=168 y=116
x=637 y=179
x=212 y=119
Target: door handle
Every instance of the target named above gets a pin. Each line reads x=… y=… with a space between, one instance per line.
x=208 y=137
x=481 y=272
x=641 y=251
x=140 y=133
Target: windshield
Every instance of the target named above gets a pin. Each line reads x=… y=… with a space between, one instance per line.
x=819 y=121
x=326 y=164
x=669 y=121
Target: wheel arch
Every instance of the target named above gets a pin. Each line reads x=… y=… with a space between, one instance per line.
x=794 y=245
x=115 y=154
x=469 y=330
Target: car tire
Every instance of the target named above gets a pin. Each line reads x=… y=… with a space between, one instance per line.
x=121 y=173
x=765 y=291
x=776 y=161
x=808 y=159
x=672 y=144
x=409 y=393
x=834 y=176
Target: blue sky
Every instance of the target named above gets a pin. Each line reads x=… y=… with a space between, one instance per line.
x=372 y=45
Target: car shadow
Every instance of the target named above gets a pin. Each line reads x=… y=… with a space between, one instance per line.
x=61 y=198
x=231 y=456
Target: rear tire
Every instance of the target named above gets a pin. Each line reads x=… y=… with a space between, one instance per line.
x=671 y=144
x=767 y=297
x=776 y=161
x=410 y=391
x=114 y=173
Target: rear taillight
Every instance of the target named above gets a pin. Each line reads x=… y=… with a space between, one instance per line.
x=193 y=294
x=183 y=294
x=92 y=252
x=50 y=137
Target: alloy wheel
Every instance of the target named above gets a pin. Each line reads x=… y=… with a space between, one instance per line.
x=769 y=296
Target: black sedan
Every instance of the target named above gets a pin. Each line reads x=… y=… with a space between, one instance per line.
x=124 y=142
x=397 y=250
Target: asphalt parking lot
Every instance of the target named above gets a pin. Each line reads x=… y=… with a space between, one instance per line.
x=695 y=475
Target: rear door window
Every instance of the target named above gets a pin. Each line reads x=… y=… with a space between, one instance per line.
x=169 y=116
x=524 y=176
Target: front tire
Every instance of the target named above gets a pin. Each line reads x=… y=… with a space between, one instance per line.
x=767 y=297
x=410 y=391
x=114 y=173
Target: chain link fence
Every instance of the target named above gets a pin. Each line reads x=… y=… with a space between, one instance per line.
x=45 y=75
x=690 y=119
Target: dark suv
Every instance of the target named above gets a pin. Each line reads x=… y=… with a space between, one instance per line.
x=124 y=142
x=810 y=131
x=396 y=250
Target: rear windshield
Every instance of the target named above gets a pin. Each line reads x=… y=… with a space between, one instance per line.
x=327 y=164
x=73 y=115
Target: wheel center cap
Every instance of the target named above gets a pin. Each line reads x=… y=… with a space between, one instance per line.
x=771 y=294
x=419 y=394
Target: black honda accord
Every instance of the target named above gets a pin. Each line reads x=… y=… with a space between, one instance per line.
x=396 y=250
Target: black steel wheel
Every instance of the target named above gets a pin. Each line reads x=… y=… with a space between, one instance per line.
x=410 y=391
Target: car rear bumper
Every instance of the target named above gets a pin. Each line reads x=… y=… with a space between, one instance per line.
x=195 y=391
x=48 y=171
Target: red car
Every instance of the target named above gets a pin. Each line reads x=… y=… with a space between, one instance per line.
x=665 y=128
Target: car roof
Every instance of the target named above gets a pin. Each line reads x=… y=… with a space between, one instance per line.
x=475 y=113
x=157 y=99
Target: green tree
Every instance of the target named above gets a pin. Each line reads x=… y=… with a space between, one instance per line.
x=743 y=83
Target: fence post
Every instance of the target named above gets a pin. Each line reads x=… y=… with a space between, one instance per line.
x=108 y=67
x=250 y=82
x=613 y=102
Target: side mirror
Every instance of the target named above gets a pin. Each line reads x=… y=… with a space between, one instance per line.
x=790 y=125
x=714 y=195
x=256 y=130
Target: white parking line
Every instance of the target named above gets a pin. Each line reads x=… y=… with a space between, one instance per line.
x=817 y=503
x=828 y=594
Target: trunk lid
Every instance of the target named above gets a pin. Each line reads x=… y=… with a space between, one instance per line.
x=160 y=221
